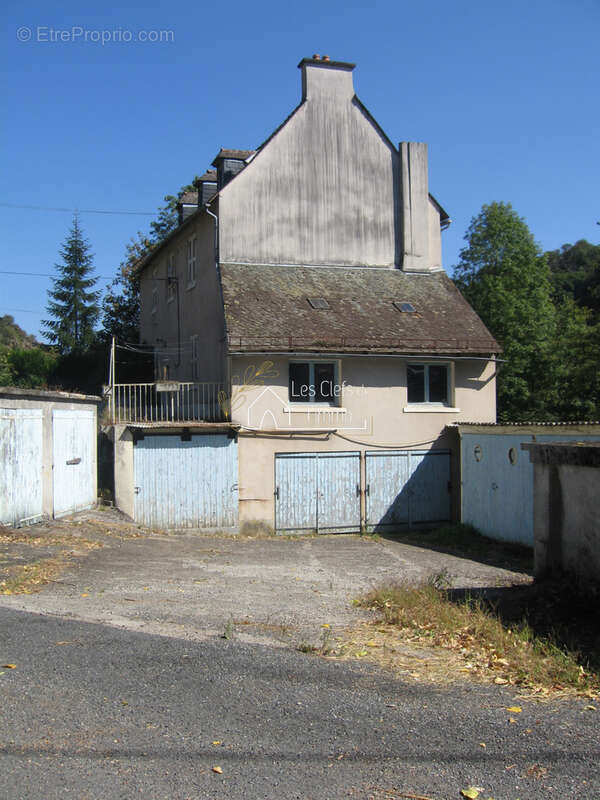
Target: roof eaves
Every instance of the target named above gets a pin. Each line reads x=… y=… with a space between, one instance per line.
x=161 y=245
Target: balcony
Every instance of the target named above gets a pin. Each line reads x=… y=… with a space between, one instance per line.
x=165 y=402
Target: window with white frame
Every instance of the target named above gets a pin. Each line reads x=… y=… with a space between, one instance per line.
x=171 y=278
x=195 y=358
x=428 y=383
x=313 y=382
x=191 y=261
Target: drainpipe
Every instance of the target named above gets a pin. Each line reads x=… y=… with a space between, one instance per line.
x=227 y=376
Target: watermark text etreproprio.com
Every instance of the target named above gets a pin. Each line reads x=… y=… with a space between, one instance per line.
x=77 y=33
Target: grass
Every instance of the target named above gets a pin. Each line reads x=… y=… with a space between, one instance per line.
x=488 y=650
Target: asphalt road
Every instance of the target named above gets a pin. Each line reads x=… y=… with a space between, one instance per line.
x=94 y=711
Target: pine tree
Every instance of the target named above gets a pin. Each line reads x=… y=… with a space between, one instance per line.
x=73 y=304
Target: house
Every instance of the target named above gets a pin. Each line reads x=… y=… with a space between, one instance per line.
x=311 y=267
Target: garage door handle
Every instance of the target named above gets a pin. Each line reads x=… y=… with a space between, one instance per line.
x=358 y=489
x=72 y=461
x=277 y=493
x=368 y=490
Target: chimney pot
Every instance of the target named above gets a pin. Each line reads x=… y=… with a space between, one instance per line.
x=316 y=57
x=326 y=58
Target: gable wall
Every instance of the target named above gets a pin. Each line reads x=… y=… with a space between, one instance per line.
x=324 y=190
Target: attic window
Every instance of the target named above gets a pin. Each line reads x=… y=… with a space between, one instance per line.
x=406 y=308
x=318 y=302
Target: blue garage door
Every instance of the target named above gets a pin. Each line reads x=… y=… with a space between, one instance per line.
x=407 y=487
x=186 y=484
x=317 y=492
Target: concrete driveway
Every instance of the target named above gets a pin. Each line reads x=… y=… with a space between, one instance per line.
x=194 y=586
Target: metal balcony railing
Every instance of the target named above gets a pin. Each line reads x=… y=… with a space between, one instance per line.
x=167 y=401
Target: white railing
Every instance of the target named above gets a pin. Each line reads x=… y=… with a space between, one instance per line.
x=167 y=402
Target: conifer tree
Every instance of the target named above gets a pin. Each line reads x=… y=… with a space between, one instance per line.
x=73 y=303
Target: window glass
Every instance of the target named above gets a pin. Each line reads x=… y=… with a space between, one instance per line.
x=438 y=383
x=324 y=381
x=312 y=382
x=415 y=381
x=299 y=383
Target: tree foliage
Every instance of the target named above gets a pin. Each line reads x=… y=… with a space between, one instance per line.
x=11 y=335
x=576 y=274
x=504 y=275
x=27 y=368
x=73 y=303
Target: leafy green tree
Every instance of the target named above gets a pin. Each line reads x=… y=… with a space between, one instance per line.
x=73 y=303
x=575 y=272
x=577 y=377
x=505 y=277
x=31 y=368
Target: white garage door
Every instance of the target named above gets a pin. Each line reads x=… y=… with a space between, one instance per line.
x=75 y=470
x=20 y=466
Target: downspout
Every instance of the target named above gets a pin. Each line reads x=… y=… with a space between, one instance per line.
x=227 y=376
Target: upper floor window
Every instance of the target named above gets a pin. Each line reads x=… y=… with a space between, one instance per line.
x=154 y=308
x=191 y=261
x=171 y=277
x=313 y=382
x=427 y=383
x=195 y=358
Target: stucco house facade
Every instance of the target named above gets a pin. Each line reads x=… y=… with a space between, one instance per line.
x=305 y=282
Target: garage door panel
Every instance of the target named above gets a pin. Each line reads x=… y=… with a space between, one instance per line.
x=407 y=487
x=387 y=475
x=317 y=492
x=295 y=492
x=20 y=466
x=430 y=498
x=186 y=484
x=74 y=453
x=338 y=492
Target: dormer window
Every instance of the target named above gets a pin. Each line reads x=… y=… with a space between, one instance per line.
x=229 y=163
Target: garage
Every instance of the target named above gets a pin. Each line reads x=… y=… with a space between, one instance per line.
x=407 y=487
x=317 y=492
x=186 y=481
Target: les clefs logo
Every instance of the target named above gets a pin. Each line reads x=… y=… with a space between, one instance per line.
x=253 y=376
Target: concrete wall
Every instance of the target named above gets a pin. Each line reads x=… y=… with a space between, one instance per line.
x=373 y=413
x=47 y=401
x=566 y=509
x=124 y=471
x=200 y=308
x=326 y=189
x=497 y=478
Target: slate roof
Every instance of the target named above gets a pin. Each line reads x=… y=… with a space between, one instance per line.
x=267 y=310
x=241 y=154
x=210 y=176
x=189 y=198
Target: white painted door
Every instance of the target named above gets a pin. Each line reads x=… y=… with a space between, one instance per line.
x=20 y=466
x=75 y=471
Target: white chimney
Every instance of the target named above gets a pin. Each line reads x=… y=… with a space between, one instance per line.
x=324 y=78
x=415 y=206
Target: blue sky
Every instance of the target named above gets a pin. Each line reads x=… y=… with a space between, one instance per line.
x=506 y=95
